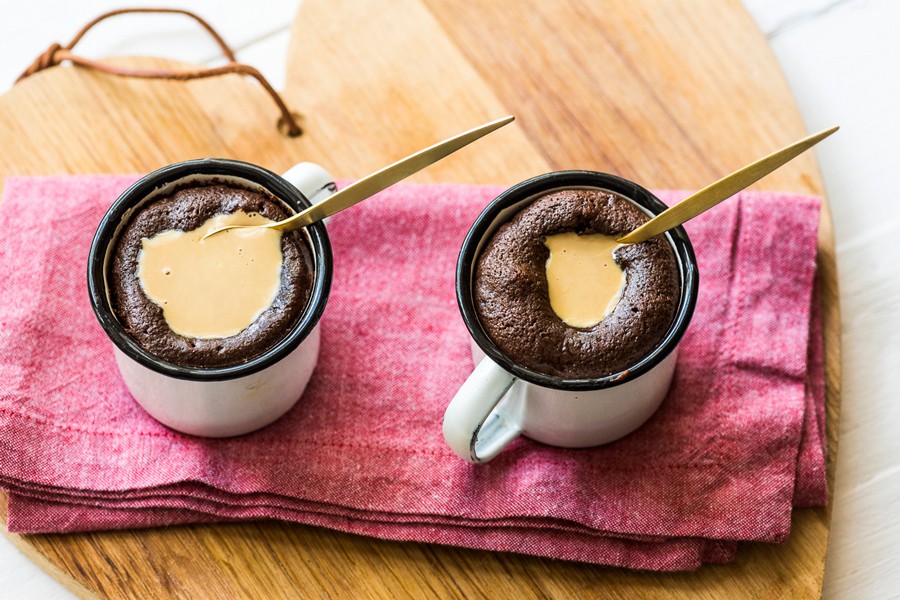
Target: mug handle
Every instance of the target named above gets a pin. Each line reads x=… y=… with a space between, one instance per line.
x=314 y=182
x=473 y=428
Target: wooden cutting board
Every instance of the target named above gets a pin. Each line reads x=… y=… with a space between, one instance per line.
x=670 y=94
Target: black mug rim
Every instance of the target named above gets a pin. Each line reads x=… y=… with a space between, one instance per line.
x=677 y=237
x=147 y=185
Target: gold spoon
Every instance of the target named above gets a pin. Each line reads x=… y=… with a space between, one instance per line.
x=377 y=181
x=721 y=190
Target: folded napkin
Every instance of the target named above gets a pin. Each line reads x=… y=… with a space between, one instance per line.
x=737 y=443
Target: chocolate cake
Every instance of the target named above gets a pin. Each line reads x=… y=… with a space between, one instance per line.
x=187 y=209
x=513 y=305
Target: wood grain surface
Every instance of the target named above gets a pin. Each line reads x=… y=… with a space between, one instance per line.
x=672 y=95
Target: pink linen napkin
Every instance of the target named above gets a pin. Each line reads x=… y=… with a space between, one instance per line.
x=737 y=443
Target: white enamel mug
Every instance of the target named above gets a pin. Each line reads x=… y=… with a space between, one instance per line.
x=502 y=400
x=225 y=401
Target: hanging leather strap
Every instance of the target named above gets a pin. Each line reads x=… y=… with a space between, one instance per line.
x=56 y=54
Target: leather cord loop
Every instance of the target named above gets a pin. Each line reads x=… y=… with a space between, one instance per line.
x=56 y=54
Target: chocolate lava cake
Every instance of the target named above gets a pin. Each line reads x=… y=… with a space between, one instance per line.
x=513 y=304
x=187 y=209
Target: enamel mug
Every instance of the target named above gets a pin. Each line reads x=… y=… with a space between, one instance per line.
x=502 y=400
x=223 y=401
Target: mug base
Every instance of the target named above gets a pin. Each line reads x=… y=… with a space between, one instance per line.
x=584 y=419
x=225 y=408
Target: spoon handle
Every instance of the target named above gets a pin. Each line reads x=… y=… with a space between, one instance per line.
x=721 y=190
x=388 y=176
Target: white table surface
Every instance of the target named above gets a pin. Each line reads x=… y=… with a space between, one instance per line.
x=842 y=60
